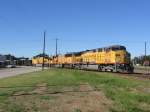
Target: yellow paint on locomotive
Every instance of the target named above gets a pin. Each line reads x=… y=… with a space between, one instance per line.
x=61 y=59
x=34 y=61
x=69 y=60
x=77 y=59
x=104 y=57
x=39 y=60
x=111 y=57
x=89 y=57
x=96 y=56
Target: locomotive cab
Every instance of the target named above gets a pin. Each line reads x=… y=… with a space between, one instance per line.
x=122 y=59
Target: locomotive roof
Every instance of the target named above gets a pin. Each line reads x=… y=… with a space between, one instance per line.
x=68 y=54
x=92 y=50
x=117 y=47
x=74 y=53
x=78 y=53
x=41 y=55
x=113 y=47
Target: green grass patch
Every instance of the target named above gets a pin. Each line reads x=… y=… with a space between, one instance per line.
x=123 y=91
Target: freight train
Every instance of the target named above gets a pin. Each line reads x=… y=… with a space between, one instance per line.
x=113 y=58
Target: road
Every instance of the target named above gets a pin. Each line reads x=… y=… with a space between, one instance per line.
x=8 y=72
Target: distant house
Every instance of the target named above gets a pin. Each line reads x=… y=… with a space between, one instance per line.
x=22 y=61
x=2 y=61
x=12 y=60
x=19 y=61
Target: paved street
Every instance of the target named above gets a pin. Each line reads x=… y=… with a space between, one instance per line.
x=7 y=72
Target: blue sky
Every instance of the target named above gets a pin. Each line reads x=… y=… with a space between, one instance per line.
x=79 y=25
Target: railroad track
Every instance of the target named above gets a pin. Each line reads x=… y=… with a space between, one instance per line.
x=139 y=75
x=135 y=74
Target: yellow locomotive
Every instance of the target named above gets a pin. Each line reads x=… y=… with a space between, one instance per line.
x=113 y=58
x=38 y=60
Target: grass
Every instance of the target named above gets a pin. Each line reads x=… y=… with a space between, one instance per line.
x=127 y=93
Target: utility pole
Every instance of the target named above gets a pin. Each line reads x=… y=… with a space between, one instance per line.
x=56 y=46
x=43 y=50
x=145 y=49
x=56 y=50
x=147 y=70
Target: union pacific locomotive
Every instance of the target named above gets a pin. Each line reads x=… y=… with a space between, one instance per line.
x=113 y=58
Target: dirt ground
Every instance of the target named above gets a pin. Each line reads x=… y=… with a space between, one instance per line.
x=40 y=100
